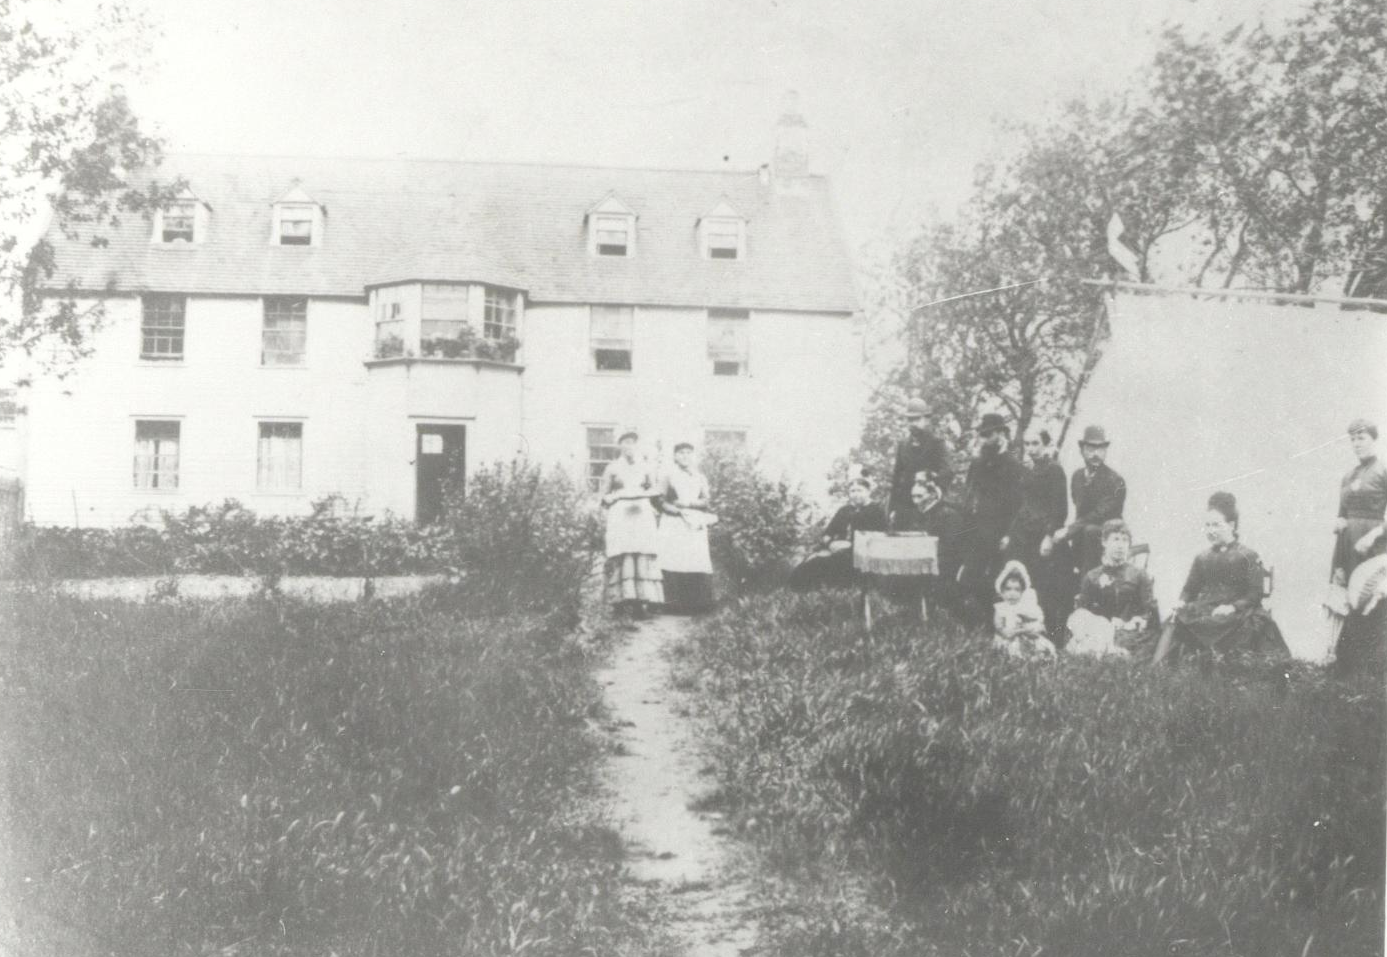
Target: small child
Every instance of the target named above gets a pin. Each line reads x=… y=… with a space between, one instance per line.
x=1018 y=622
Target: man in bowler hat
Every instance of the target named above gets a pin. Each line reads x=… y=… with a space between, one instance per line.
x=992 y=497
x=1099 y=495
x=921 y=451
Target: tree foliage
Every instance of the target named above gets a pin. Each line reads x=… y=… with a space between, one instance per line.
x=1287 y=133
x=69 y=142
x=1256 y=158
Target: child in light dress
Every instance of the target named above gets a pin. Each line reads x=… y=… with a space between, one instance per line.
x=1017 y=621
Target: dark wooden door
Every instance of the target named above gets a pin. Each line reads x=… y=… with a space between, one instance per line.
x=436 y=449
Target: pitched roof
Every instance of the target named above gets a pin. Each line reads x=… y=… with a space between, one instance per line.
x=510 y=224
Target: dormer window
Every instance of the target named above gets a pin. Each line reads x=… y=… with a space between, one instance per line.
x=296 y=225
x=613 y=236
x=722 y=233
x=611 y=228
x=181 y=220
x=297 y=220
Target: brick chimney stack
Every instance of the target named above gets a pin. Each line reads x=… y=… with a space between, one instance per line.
x=791 y=163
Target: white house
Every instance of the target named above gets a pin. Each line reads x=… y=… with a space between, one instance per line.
x=295 y=327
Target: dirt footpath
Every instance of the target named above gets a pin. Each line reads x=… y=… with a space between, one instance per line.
x=682 y=867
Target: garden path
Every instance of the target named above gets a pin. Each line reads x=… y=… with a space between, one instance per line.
x=682 y=865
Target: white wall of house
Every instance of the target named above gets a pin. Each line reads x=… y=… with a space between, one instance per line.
x=405 y=393
x=799 y=404
x=81 y=429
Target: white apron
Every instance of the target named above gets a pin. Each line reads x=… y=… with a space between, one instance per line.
x=684 y=538
x=630 y=522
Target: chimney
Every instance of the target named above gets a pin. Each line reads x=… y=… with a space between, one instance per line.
x=791 y=162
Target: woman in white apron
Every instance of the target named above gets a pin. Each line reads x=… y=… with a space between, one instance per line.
x=684 y=558
x=628 y=490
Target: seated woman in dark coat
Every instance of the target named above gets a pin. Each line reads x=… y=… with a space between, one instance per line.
x=1117 y=611
x=831 y=565
x=1220 y=607
x=929 y=513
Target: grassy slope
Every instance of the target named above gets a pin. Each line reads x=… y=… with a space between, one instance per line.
x=382 y=779
x=997 y=807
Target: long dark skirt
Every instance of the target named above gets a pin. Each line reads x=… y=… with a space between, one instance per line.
x=1056 y=586
x=688 y=593
x=1345 y=555
x=1362 y=644
x=832 y=570
x=1248 y=632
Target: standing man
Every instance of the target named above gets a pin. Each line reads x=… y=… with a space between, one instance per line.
x=1099 y=494
x=992 y=497
x=921 y=451
x=1044 y=508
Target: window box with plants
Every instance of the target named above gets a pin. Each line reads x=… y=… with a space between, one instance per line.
x=466 y=344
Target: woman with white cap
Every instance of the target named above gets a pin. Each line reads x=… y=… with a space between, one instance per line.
x=633 y=579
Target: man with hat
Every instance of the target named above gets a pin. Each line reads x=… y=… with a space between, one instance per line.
x=921 y=451
x=992 y=497
x=1099 y=494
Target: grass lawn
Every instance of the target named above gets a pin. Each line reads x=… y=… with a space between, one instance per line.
x=269 y=778
x=918 y=794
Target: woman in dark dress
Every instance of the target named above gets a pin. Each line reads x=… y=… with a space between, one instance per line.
x=1358 y=536
x=1220 y=607
x=831 y=565
x=1359 y=530
x=1117 y=603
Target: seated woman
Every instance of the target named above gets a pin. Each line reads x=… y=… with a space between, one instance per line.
x=1017 y=621
x=830 y=566
x=929 y=513
x=1117 y=612
x=1220 y=607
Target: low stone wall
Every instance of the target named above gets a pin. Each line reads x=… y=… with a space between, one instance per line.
x=311 y=588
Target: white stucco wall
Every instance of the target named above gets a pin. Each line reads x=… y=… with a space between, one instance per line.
x=801 y=405
x=81 y=429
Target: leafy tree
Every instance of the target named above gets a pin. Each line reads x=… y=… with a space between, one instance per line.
x=1287 y=131
x=1258 y=157
x=68 y=143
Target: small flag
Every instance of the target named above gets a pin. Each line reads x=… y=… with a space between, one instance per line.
x=1119 y=250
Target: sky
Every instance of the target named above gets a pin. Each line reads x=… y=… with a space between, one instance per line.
x=902 y=97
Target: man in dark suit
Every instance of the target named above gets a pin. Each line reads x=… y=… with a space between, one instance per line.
x=992 y=498
x=1099 y=495
x=921 y=451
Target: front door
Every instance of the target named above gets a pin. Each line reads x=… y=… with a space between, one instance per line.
x=436 y=449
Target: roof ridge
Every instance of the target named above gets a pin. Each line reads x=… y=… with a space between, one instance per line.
x=359 y=158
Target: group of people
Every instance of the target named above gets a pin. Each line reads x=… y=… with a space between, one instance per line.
x=656 y=533
x=1010 y=556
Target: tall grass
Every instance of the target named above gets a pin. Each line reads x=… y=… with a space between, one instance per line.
x=277 y=779
x=1002 y=807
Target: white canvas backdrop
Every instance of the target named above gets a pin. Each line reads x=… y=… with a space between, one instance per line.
x=1250 y=397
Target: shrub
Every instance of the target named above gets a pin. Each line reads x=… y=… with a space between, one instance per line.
x=761 y=521
x=1001 y=807
x=371 y=779
x=46 y=553
x=230 y=539
x=525 y=538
